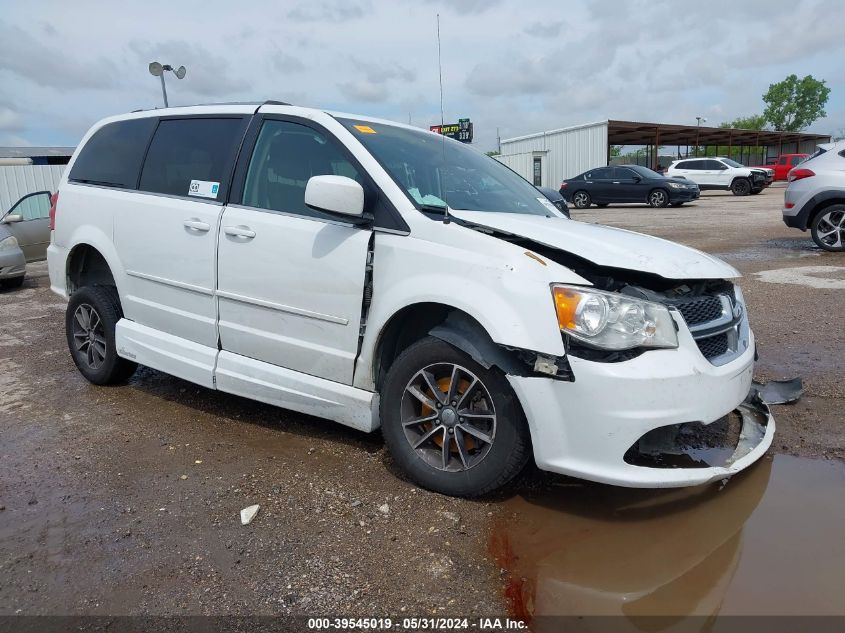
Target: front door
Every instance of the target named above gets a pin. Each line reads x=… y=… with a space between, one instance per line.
x=166 y=234
x=628 y=186
x=538 y=171
x=291 y=280
x=31 y=225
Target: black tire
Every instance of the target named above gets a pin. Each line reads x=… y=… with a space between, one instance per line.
x=98 y=360
x=677 y=204
x=497 y=461
x=754 y=192
x=602 y=205
x=828 y=228
x=11 y=284
x=741 y=187
x=581 y=200
x=658 y=198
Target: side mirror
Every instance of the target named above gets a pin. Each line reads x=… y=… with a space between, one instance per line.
x=723 y=167
x=12 y=217
x=637 y=179
x=335 y=194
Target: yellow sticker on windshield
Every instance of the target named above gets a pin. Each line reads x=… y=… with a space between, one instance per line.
x=364 y=129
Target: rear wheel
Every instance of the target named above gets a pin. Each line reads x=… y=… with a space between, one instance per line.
x=741 y=187
x=90 y=320
x=11 y=284
x=581 y=200
x=828 y=228
x=450 y=424
x=658 y=198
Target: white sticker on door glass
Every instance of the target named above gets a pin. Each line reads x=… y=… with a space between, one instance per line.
x=204 y=188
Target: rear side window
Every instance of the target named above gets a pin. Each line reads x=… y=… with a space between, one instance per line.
x=112 y=156
x=602 y=173
x=685 y=164
x=192 y=157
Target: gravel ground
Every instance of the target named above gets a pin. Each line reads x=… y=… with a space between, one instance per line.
x=125 y=500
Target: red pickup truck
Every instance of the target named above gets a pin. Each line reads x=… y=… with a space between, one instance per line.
x=783 y=163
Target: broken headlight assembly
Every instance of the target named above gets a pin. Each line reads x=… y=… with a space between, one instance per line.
x=611 y=321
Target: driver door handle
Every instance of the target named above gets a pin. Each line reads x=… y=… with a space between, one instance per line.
x=239 y=231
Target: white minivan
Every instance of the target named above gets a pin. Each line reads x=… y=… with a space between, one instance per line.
x=380 y=275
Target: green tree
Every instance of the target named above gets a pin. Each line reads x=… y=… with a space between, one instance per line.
x=492 y=153
x=793 y=104
x=615 y=151
x=753 y=122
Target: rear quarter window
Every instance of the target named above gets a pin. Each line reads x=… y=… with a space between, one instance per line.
x=112 y=156
x=192 y=149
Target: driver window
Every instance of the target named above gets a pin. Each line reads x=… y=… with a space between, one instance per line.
x=286 y=155
x=33 y=207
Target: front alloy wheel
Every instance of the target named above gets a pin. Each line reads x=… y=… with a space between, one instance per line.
x=451 y=424
x=448 y=417
x=828 y=228
x=658 y=198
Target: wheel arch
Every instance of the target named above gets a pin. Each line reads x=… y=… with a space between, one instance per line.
x=87 y=266
x=820 y=207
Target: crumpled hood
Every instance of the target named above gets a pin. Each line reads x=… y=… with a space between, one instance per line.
x=606 y=246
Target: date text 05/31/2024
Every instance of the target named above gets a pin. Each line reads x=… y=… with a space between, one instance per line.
x=417 y=624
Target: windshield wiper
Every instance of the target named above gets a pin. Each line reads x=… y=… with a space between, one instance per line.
x=434 y=208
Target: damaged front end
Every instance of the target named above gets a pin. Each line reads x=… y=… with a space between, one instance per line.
x=719 y=444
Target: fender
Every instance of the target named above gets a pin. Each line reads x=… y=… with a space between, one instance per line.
x=804 y=217
x=493 y=281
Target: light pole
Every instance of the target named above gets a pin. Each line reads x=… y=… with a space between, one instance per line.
x=157 y=70
x=698 y=121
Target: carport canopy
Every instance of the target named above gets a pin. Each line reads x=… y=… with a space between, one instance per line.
x=657 y=134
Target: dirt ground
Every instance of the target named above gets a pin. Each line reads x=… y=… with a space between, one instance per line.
x=125 y=500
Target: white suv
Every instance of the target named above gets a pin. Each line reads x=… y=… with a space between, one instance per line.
x=719 y=173
x=376 y=274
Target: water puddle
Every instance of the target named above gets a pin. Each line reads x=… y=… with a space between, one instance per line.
x=768 y=542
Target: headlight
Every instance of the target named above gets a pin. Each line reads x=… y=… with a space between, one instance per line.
x=9 y=243
x=676 y=185
x=613 y=321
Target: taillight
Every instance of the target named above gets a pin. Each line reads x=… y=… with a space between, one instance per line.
x=563 y=185
x=798 y=174
x=54 y=200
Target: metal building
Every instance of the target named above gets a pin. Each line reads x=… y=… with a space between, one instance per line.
x=25 y=170
x=547 y=158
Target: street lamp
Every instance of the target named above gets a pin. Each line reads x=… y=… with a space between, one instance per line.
x=698 y=121
x=157 y=70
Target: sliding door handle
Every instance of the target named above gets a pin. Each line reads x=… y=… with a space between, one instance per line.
x=196 y=225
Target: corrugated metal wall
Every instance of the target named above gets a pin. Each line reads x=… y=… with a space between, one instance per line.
x=566 y=152
x=18 y=180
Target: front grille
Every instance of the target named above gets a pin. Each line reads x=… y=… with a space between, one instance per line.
x=701 y=309
x=713 y=346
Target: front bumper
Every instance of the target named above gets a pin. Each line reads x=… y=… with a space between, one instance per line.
x=683 y=195
x=12 y=264
x=584 y=428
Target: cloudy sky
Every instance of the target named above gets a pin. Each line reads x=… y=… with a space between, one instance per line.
x=522 y=66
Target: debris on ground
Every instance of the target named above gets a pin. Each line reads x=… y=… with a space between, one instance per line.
x=779 y=391
x=384 y=508
x=248 y=514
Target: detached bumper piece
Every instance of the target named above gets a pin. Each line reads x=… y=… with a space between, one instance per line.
x=720 y=444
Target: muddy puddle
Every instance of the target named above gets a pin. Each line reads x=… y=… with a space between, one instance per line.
x=770 y=541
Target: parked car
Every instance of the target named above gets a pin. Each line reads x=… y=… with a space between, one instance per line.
x=815 y=197
x=719 y=173
x=781 y=165
x=379 y=275
x=24 y=236
x=556 y=199
x=627 y=183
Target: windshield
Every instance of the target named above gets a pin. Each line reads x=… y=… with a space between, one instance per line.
x=732 y=163
x=435 y=171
